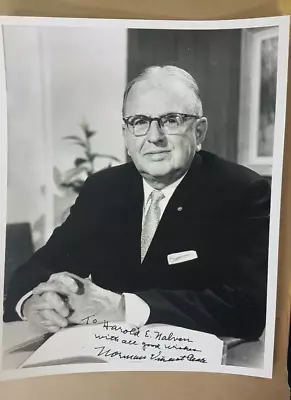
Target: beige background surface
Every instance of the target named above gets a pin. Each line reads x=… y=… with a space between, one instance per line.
x=172 y=386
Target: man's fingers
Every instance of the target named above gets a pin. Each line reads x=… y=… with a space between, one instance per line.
x=45 y=324
x=70 y=281
x=40 y=304
x=53 y=317
x=51 y=287
x=52 y=328
x=42 y=314
x=51 y=300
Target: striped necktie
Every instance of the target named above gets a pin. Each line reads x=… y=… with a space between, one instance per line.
x=151 y=221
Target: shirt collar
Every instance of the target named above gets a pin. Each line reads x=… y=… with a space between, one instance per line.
x=167 y=191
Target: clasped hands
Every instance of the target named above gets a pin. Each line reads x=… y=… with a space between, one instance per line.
x=68 y=299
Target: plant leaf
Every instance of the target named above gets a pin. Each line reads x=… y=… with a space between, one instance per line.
x=57 y=176
x=87 y=154
x=75 y=185
x=71 y=173
x=76 y=139
x=88 y=132
x=72 y=137
x=79 y=161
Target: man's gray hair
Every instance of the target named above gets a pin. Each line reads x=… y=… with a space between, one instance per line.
x=169 y=70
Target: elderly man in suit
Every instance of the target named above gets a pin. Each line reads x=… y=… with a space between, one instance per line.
x=177 y=236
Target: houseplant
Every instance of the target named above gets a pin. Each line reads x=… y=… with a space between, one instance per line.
x=71 y=181
x=84 y=166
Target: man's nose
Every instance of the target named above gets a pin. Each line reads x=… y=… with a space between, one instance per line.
x=154 y=133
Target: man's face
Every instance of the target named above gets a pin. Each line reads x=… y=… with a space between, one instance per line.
x=156 y=155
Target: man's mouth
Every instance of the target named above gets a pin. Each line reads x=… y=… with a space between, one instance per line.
x=157 y=155
x=157 y=152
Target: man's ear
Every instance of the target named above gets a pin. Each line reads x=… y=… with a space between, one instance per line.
x=125 y=138
x=201 y=130
x=123 y=131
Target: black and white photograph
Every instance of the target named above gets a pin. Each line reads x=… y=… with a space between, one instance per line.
x=141 y=170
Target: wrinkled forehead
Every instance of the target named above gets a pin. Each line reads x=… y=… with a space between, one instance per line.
x=157 y=96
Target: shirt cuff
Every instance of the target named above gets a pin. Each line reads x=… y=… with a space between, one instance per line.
x=137 y=311
x=20 y=304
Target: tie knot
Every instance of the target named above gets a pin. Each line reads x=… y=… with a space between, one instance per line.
x=157 y=196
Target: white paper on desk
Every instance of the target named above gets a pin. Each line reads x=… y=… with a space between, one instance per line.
x=114 y=342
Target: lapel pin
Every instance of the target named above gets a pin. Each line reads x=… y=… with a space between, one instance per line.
x=180 y=208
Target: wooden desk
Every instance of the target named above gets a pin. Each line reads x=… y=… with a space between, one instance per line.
x=249 y=354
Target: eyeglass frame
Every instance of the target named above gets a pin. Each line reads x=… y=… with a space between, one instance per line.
x=158 y=119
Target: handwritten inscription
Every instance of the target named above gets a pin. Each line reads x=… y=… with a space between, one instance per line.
x=103 y=351
x=117 y=328
x=184 y=348
x=171 y=337
x=107 y=337
x=146 y=346
x=189 y=357
x=169 y=347
x=91 y=319
x=122 y=342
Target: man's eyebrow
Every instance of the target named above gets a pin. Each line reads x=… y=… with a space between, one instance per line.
x=158 y=115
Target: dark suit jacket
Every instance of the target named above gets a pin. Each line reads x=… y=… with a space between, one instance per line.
x=224 y=218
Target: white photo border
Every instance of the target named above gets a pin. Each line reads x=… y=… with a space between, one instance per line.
x=283 y=23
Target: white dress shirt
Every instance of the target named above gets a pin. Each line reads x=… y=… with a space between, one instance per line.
x=137 y=311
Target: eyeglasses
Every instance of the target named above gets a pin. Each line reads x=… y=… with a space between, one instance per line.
x=169 y=124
